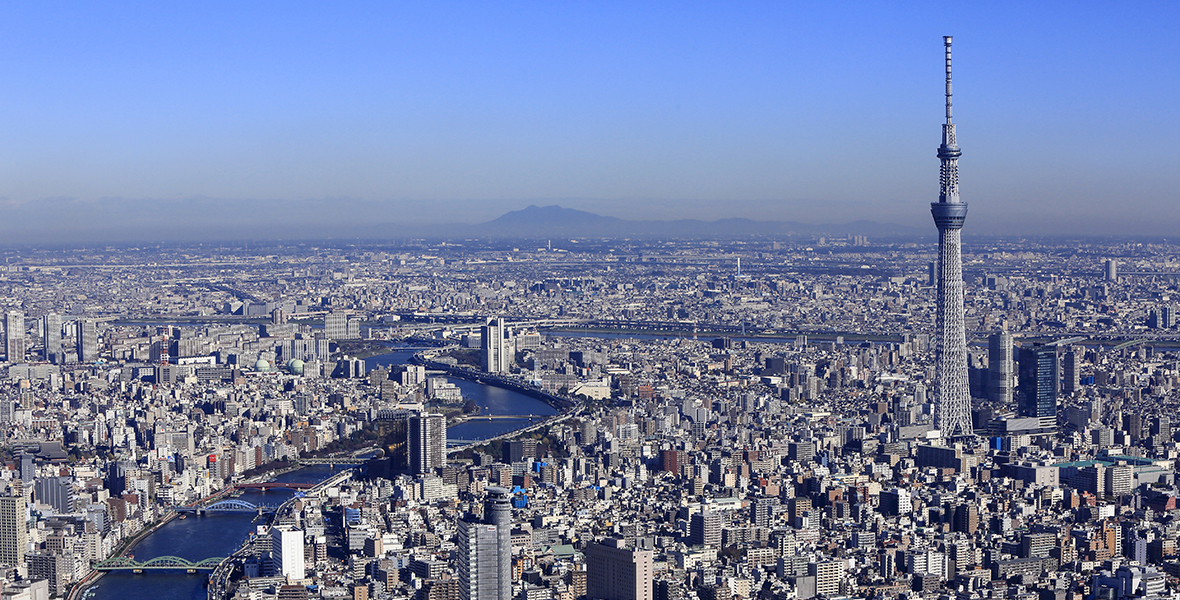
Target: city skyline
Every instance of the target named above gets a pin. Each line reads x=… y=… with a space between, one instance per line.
x=269 y=119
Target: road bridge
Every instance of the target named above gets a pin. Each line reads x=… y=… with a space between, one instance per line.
x=333 y=461
x=274 y=485
x=159 y=563
x=232 y=505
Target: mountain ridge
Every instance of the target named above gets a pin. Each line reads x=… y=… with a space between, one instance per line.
x=556 y=220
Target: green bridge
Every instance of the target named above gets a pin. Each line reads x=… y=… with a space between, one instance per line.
x=159 y=563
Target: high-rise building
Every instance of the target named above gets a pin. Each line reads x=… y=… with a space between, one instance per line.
x=498 y=511
x=1163 y=317
x=705 y=529
x=1070 y=375
x=87 y=342
x=51 y=334
x=966 y=518
x=999 y=368
x=478 y=579
x=55 y=568
x=952 y=411
x=895 y=502
x=428 y=442
x=515 y=451
x=1037 y=388
x=615 y=572
x=14 y=336
x=14 y=532
x=336 y=326
x=497 y=357
x=1112 y=270
x=828 y=575
x=761 y=510
x=485 y=550
x=286 y=552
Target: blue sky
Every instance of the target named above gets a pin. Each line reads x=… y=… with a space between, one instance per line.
x=443 y=111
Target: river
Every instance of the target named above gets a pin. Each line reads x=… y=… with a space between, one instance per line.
x=195 y=538
x=492 y=400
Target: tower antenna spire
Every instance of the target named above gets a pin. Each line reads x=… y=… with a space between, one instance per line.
x=946 y=42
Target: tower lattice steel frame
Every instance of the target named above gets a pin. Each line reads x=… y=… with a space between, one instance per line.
x=952 y=409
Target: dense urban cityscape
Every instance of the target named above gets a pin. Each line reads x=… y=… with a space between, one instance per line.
x=714 y=432
x=739 y=414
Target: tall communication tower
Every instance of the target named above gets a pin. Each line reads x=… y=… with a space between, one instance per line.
x=952 y=409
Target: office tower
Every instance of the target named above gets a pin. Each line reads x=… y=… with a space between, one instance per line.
x=498 y=511
x=497 y=358
x=478 y=579
x=1037 y=388
x=485 y=550
x=14 y=336
x=966 y=519
x=336 y=326
x=999 y=368
x=51 y=334
x=87 y=342
x=1163 y=317
x=14 y=533
x=801 y=451
x=1069 y=372
x=952 y=410
x=518 y=450
x=614 y=572
x=28 y=469
x=428 y=442
x=57 y=492
x=286 y=552
x=1112 y=270
x=705 y=529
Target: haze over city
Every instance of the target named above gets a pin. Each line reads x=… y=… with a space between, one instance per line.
x=288 y=120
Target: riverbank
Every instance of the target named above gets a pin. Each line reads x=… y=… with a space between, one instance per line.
x=125 y=548
x=559 y=403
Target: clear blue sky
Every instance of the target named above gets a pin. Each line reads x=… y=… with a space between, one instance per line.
x=443 y=111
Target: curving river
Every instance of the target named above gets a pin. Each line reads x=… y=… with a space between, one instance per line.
x=195 y=538
x=492 y=400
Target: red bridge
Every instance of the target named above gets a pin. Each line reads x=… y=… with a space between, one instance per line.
x=270 y=485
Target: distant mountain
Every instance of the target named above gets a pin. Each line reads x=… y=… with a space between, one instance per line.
x=553 y=220
x=549 y=221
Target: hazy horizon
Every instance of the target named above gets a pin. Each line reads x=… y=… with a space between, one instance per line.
x=286 y=120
